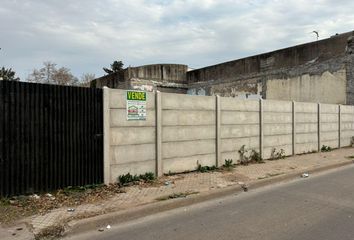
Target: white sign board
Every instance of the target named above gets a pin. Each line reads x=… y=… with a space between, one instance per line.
x=136 y=105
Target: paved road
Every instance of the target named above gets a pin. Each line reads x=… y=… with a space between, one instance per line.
x=318 y=207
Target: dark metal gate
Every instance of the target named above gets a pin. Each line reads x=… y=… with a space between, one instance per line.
x=50 y=137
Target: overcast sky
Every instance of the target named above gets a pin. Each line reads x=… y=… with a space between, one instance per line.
x=86 y=35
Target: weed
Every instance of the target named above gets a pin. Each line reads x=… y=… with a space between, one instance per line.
x=147 y=177
x=249 y=156
x=256 y=157
x=325 y=148
x=129 y=178
x=244 y=155
x=203 y=169
x=277 y=154
x=228 y=164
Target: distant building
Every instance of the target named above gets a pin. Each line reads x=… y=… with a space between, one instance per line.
x=161 y=77
x=320 y=71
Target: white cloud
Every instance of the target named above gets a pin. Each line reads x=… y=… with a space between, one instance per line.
x=87 y=35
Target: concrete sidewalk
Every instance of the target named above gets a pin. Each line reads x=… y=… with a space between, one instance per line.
x=193 y=183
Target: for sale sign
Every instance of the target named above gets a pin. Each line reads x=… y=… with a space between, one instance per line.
x=136 y=105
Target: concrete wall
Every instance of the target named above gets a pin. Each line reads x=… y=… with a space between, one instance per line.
x=347 y=125
x=329 y=125
x=306 y=73
x=277 y=127
x=239 y=123
x=159 y=72
x=310 y=88
x=131 y=143
x=188 y=132
x=181 y=131
x=304 y=54
x=162 y=77
x=306 y=127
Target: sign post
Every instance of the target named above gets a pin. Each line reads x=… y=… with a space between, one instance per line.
x=136 y=105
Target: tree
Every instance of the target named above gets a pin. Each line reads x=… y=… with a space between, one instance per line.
x=52 y=75
x=63 y=76
x=87 y=77
x=8 y=74
x=116 y=66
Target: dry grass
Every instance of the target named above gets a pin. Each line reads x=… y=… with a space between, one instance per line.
x=12 y=209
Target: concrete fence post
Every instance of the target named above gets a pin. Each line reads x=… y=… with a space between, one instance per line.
x=218 y=131
x=106 y=136
x=339 y=125
x=293 y=128
x=158 y=111
x=261 y=128
x=319 y=126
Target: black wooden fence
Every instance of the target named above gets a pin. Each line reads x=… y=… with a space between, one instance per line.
x=50 y=137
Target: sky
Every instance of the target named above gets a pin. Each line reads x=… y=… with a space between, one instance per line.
x=86 y=35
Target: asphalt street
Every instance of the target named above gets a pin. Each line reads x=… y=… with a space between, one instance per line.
x=318 y=207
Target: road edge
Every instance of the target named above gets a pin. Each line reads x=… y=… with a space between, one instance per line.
x=88 y=224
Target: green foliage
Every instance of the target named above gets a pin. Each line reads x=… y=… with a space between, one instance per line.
x=203 y=169
x=148 y=177
x=256 y=157
x=116 y=66
x=325 y=148
x=129 y=178
x=8 y=74
x=277 y=154
x=228 y=164
x=249 y=156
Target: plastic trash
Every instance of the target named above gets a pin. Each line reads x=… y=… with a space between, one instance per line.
x=35 y=196
x=305 y=175
x=108 y=227
x=50 y=196
x=71 y=209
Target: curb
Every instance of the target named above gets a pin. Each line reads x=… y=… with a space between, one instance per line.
x=80 y=226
